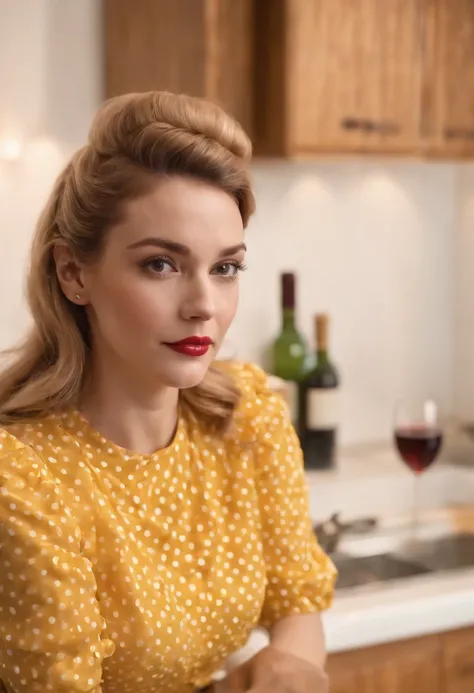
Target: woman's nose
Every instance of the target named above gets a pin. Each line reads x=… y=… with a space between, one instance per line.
x=198 y=303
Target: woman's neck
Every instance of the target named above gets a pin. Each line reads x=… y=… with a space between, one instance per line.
x=138 y=419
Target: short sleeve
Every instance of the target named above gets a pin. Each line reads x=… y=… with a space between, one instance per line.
x=50 y=624
x=300 y=576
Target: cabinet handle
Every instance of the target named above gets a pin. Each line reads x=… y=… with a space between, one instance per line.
x=383 y=127
x=466 y=670
x=458 y=134
x=351 y=124
x=387 y=127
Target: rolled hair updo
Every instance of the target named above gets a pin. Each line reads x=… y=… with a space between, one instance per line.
x=133 y=140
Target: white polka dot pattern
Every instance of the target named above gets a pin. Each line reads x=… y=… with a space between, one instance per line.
x=124 y=572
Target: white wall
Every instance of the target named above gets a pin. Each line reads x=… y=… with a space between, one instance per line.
x=50 y=54
x=464 y=297
x=372 y=242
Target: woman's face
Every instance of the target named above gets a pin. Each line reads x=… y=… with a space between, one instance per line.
x=169 y=272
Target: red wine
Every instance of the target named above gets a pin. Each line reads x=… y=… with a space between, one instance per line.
x=319 y=406
x=418 y=446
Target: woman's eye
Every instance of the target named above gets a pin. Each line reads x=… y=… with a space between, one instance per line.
x=159 y=266
x=228 y=269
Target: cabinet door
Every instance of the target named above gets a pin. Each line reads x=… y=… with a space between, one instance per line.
x=429 y=92
x=409 y=667
x=354 y=74
x=459 y=661
x=230 y=57
x=456 y=76
x=197 y=47
x=155 y=44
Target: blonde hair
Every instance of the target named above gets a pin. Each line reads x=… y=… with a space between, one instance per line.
x=133 y=139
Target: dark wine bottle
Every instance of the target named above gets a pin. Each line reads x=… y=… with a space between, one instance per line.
x=319 y=405
x=289 y=348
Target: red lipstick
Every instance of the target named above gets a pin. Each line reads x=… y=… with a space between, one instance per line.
x=191 y=346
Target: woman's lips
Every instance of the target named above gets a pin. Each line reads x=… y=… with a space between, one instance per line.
x=191 y=346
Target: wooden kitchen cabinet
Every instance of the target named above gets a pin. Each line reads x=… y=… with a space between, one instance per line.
x=340 y=75
x=348 y=76
x=442 y=663
x=458 y=652
x=412 y=666
x=455 y=98
x=199 y=47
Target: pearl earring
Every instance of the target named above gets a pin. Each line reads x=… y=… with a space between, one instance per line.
x=78 y=297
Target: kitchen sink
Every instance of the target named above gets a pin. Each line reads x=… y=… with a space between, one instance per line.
x=423 y=557
x=355 y=571
x=445 y=553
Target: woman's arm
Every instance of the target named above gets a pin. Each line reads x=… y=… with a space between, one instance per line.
x=301 y=635
x=293 y=662
x=300 y=576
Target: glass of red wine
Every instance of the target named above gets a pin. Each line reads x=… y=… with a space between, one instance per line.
x=418 y=439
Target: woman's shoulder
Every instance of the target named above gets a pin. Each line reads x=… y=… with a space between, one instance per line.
x=247 y=376
x=21 y=444
x=259 y=408
x=252 y=383
x=28 y=431
x=17 y=461
x=9 y=443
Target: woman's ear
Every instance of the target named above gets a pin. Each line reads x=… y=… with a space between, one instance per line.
x=69 y=274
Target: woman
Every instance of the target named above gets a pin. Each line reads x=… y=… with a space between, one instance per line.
x=152 y=503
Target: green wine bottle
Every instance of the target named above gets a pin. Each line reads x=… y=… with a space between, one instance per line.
x=289 y=348
x=319 y=414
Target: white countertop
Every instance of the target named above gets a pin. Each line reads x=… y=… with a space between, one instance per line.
x=409 y=609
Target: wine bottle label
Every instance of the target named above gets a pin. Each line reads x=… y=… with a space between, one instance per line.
x=296 y=350
x=322 y=409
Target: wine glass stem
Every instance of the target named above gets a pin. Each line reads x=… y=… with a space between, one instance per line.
x=416 y=506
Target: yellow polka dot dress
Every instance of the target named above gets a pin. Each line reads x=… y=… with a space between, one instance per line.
x=122 y=572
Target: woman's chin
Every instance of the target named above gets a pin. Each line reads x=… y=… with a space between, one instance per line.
x=185 y=374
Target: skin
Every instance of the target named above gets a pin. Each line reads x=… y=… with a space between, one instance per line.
x=292 y=663
x=169 y=270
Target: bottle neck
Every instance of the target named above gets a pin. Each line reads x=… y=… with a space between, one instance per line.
x=322 y=356
x=321 y=325
x=288 y=319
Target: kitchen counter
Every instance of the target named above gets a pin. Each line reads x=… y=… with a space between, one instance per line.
x=397 y=610
x=431 y=604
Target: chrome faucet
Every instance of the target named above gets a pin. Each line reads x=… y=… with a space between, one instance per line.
x=329 y=532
